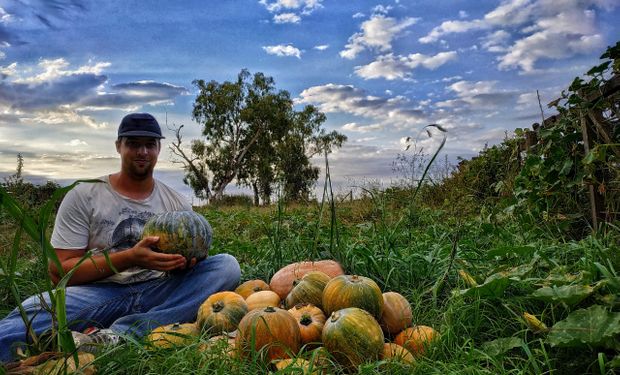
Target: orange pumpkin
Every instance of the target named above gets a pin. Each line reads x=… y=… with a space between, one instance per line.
x=272 y=331
x=353 y=291
x=417 y=339
x=262 y=299
x=396 y=313
x=282 y=281
x=251 y=286
x=309 y=289
x=353 y=336
x=221 y=312
x=310 y=320
x=395 y=352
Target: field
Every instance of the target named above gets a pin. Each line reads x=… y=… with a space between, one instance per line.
x=419 y=253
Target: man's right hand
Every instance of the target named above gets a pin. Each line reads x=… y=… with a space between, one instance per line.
x=144 y=256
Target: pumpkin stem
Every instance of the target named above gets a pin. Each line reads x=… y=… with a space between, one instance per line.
x=305 y=320
x=218 y=306
x=335 y=316
x=269 y=309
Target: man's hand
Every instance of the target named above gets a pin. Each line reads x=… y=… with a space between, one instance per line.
x=144 y=256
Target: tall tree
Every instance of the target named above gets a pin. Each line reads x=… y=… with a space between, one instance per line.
x=251 y=134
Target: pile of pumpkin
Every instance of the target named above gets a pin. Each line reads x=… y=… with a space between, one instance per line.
x=307 y=305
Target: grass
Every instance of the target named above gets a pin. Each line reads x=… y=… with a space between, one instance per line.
x=404 y=252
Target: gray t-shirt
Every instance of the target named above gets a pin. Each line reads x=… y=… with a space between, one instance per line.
x=93 y=216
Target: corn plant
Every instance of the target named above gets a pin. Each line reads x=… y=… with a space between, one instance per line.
x=35 y=227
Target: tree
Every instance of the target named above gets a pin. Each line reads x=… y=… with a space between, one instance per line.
x=252 y=135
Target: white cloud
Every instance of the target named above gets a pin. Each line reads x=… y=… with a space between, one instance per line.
x=463 y=14
x=286 y=18
x=53 y=92
x=526 y=31
x=477 y=95
x=283 y=50
x=382 y=9
x=377 y=33
x=496 y=41
x=290 y=11
x=321 y=47
x=448 y=27
x=393 y=67
x=359 y=15
x=357 y=128
x=76 y=143
x=396 y=111
x=559 y=36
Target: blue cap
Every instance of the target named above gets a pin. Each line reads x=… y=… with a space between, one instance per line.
x=139 y=125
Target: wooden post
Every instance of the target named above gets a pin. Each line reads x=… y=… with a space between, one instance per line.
x=595 y=199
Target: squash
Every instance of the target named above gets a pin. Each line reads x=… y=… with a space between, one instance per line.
x=262 y=299
x=309 y=289
x=395 y=352
x=417 y=339
x=397 y=313
x=353 y=336
x=272 y=331
x=251 y=286
x=172 y=335
x=62 y=366
x=310 y=320
x=180 y=232
x=353 y=291
x=221 y=312
x=282 y=281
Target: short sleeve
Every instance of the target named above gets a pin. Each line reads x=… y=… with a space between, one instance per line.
x=71 y=228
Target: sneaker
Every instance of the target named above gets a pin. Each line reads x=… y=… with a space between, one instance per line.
x=93 y=341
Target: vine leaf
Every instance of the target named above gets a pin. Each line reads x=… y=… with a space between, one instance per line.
x=594 y=326
x=569 y=294
x=493 y=288
x=502 y=345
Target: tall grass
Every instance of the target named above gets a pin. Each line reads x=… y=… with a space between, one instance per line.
x=36 y=226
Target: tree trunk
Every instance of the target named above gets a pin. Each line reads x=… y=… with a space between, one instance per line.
x=256 y=194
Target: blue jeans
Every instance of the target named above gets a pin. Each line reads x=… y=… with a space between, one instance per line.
x=128 y=308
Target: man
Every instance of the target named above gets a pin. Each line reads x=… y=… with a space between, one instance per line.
x=109 y=216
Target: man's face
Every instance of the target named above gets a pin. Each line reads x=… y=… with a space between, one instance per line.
x=138 y=155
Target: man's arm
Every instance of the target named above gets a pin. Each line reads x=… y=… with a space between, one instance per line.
x=97 y=267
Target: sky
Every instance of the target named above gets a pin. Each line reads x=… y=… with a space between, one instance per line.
x=380 y=71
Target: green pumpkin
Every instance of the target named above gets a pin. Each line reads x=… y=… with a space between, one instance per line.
x=180 y=232
x=353 y=336
x=353 y=291
x=308 y=290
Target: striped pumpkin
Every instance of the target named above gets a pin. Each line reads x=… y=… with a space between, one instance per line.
x=180 y=232
x=353 y=336
x=353 y=291
x=221 y=312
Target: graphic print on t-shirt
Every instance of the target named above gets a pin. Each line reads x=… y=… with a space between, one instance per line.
x=128 y=231
x=126 y=234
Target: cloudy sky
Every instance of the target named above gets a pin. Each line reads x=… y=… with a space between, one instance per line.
x=379 y=70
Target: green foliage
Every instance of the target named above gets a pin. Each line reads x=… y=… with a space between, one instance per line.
x=553 y=183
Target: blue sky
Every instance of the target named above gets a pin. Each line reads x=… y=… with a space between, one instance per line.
x=379 y=70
